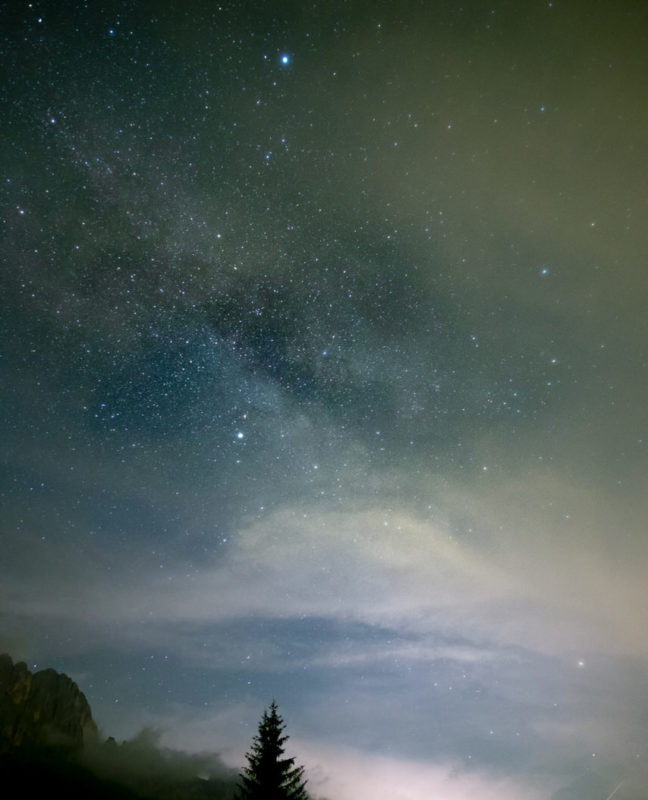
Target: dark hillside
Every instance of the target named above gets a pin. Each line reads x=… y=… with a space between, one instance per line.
x=49 y=745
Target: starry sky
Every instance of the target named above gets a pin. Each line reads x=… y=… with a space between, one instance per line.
x=324 y=357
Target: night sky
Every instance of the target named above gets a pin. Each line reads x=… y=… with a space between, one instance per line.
x=324 y=372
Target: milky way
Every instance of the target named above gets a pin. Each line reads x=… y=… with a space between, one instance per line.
x=324 y=356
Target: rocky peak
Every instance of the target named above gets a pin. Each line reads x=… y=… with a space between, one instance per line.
x=42 y=709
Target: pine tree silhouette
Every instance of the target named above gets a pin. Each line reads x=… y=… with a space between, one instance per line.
x=268 y=776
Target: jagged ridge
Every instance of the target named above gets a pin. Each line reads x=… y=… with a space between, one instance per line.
x=42 y=709
x=49 y=744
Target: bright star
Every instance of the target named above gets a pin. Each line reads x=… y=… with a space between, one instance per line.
x=285 y=59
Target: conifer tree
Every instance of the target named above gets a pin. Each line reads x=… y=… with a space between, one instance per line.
x=268 y=776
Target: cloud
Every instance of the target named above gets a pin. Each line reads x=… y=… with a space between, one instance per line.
x=333 y=770
x=537 y=571
x=348 y=773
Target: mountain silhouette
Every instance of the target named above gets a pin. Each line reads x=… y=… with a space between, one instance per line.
x=50 y=744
